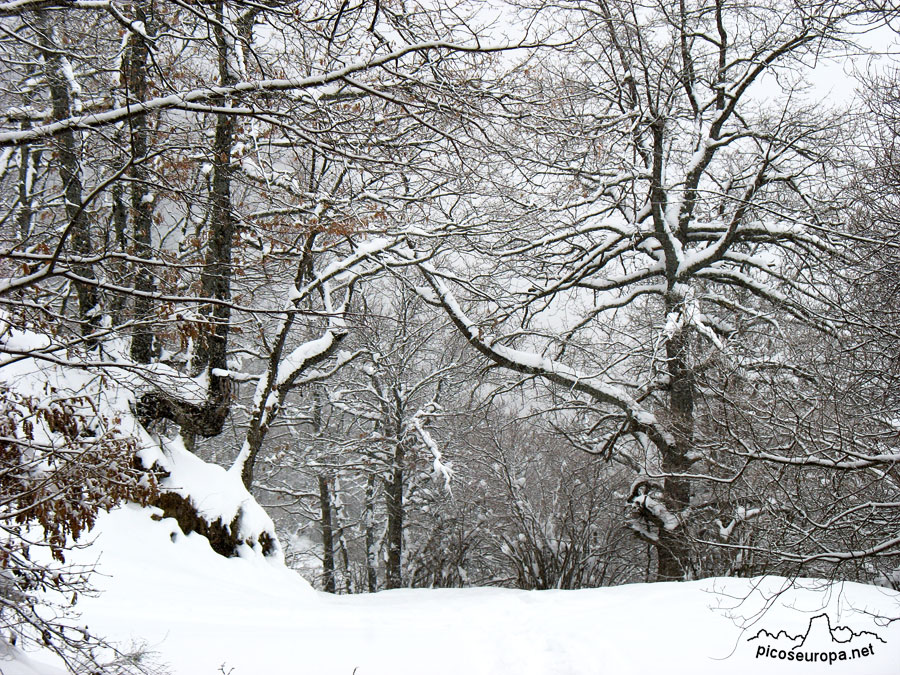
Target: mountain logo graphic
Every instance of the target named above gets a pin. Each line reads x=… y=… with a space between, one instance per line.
x=821 y=643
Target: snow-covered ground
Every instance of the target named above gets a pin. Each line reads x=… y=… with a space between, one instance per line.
x=204 y=614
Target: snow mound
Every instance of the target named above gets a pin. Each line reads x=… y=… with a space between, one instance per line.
x=14 y=661
x=140 y=553
x=217 y=496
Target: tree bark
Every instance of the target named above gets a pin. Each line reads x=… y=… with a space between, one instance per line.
x=327 y=536
x=346 y=585
x=137 y=90
x=673 y=549
x=371 y=552
x=211 y=353
x=59 y=75
x=29 y=161
x=393 y=492
x=216 y=278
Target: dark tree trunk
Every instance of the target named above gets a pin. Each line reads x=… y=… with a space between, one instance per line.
x=215 y=280
x=136 y=85
x=118 y=302
x=673 y=549
x=211 y=354
x=68 y=146
x=371 y=552
x=29 y=162
x=393 y=491
x=327 y=535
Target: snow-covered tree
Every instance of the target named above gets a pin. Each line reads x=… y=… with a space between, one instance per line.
x=376 y=438
x=189 y=196
x=652 y=246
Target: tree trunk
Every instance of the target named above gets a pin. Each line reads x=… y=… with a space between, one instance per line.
x=29 y=161
x=136 y=85
x=211 y=353
x=346 y=583
x=216 y=278
x=673 y=549
x=327 y=536
x=393 y=492
x=63 y=97
x=371 y=542
x=118 y=302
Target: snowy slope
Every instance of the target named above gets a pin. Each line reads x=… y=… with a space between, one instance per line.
x=14 y=662
x=204 y=614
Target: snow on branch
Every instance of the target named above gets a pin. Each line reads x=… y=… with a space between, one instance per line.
x=860 y=461
x=19 y=6
x=689 y=313
x=741 y=514
x=185 y=98
x=535 y=364
x=657 y=511
x=440 y=468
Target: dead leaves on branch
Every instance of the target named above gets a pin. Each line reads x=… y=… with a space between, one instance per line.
x=61 y=463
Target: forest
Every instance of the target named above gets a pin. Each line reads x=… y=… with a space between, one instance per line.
x=533 y=294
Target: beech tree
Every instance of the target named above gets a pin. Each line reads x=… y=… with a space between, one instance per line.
x=652 y=249
x=201 y=203
x=67 y=454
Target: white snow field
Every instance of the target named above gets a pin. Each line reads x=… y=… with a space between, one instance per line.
x=204 y=614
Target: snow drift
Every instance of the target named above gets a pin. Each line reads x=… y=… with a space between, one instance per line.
x=202 y=613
